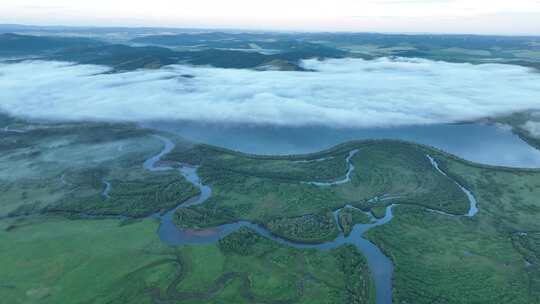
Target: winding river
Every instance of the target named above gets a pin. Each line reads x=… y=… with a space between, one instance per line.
x=473 y=209
x=106 y=190
x=380 y=266
x=345 y=179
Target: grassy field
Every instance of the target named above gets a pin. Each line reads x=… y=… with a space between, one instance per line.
x=348 y=217
x=402 y=171
x=53 y=260
x=149 y=193
x=57 y=171
x=438 y=258
x=63 y=168
x=528 y=245
x=311 y=228
x=485 y=259
x=272 y=191
x=442 y=259
x=316 y=167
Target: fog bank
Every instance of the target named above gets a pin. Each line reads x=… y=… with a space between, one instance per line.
x=340 y=93
x=533 y=127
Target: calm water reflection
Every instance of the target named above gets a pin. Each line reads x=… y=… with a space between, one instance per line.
x=479 y=143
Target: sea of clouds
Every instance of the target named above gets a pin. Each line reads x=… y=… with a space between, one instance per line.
x=340 y=93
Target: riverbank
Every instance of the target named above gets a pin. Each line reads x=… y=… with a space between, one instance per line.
x=428 y=237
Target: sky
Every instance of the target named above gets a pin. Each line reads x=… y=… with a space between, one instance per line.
x=440 y=16
x=340 y=93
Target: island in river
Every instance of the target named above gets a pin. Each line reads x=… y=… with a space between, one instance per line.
x=77 y=201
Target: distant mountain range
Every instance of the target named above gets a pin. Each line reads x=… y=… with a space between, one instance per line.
x=153 y=48
x=123 y=57
x=15 y=45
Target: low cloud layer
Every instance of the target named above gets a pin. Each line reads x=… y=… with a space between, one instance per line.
x=533 y=127
x=341 y=93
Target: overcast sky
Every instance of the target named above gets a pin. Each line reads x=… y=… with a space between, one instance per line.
x=448 y=16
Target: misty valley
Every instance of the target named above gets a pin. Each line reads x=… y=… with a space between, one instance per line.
x=163 y=165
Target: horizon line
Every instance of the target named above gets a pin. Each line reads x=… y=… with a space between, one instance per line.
x=266 y=30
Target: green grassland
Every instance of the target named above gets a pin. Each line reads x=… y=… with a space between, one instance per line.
x=528 y=245
x=272 y=191
x=54 y=260
x=311 y=228
x=378 y=211
x=442 y=259
x=402 y=171
x=348 y=217
x=137 y=197
x=485 y=259
x=438 y=258
x=295 y=168
x=63 y=168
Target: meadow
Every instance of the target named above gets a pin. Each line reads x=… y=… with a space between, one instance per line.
x=57 y=233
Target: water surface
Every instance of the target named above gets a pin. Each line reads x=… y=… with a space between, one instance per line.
x=480 y=143
x=380 y=266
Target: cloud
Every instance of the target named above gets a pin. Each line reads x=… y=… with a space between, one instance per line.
x=341 y=93
x=533 y=127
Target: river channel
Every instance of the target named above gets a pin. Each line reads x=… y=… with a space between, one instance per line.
x=381 y=268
